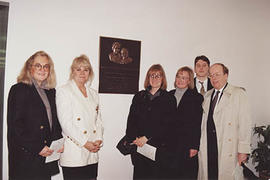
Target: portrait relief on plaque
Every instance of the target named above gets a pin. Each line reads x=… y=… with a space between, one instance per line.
x=119 y=55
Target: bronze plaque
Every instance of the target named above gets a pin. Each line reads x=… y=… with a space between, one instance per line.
x=119 y=65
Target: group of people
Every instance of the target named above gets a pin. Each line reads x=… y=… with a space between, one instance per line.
x=38 y=115
x=201 y=129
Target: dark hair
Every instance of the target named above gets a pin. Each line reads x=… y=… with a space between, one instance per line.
x=225 y=69
x=203 y=58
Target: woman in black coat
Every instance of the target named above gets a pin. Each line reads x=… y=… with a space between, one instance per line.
x=32 y=120
x=188 y=123
x=150 y=121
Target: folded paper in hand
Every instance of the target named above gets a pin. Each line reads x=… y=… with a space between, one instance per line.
x=55 y=146
x=148 y=151
x=238 y=172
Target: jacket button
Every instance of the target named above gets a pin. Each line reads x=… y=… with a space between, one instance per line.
x=78 y=119
x=41 y=127
x=230 y=124
x=45 y=141
x=84 y=132
x=94 y=131
x=230 y=140
x=230 y=155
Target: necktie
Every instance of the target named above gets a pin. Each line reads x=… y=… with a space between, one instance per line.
x=214 y=102
x=202 y=90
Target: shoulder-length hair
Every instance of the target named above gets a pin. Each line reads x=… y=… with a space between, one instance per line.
x=153 y=69
x=25 y=74
x=190 y=73
x=82 y=60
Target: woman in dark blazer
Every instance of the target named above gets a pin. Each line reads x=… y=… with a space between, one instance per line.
x=32 y=120
x=188 y=123
x=150 y=121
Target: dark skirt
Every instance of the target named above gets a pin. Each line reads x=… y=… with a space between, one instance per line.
x=80 y=173
x=26 y=166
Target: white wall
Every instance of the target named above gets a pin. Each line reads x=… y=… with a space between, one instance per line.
x=172 y=32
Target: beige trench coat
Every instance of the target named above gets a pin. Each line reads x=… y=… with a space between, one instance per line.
x=233 y=128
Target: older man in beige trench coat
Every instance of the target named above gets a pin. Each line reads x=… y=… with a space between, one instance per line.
x=232 y=123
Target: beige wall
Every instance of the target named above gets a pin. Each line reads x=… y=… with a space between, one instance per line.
x=172 y=32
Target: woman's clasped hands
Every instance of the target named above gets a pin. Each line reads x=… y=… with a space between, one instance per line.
x=93 y=146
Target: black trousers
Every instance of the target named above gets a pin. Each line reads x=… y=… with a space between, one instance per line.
x=212 y=150
x=88 y=172
x=145 y=171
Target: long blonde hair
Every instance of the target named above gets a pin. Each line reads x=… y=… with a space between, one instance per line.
x=25 y=74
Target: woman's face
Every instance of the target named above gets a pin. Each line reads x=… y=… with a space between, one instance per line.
x=182 y=80
x=155 y=79
x=116 y=49
x=40 y=69
x=81 y=74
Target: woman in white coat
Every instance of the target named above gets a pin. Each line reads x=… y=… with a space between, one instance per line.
x=79 y=116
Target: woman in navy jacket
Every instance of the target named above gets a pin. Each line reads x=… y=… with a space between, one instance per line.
x=188 y=123
x=150 y=121
x=32 y=120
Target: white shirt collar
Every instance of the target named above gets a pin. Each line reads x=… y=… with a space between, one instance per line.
x=199 y=86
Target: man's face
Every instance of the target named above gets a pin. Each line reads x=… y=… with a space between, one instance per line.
x=217 y=77
x=201 y=68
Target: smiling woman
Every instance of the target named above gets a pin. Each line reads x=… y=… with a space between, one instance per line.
x=150 y=122
x=32 y=120
x=79 y=115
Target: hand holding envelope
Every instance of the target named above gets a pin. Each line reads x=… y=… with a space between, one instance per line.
x=148 y=151
x=57 y=147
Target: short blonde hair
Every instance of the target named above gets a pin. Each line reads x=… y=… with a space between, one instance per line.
x=25 y=74
x=82 y=60
x=190 y=73
x=156 y=68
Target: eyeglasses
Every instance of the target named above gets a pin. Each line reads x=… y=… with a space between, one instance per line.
x=215 y=75
x=182 y=78
x=155 y=76
x=45 y=67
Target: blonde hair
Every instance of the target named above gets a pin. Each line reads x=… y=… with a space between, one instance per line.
x=190 y=73
x=82 y=60
x=156 y=68
x=25 y=74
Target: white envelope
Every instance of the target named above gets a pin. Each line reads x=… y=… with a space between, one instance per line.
x=148 y=151
x=56 y=145
x=238 y=172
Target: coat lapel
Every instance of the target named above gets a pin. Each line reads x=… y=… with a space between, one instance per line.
x=185 y=97
x=42 y=105
x=224 y=100
x=86 y=103
x=207 y=100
